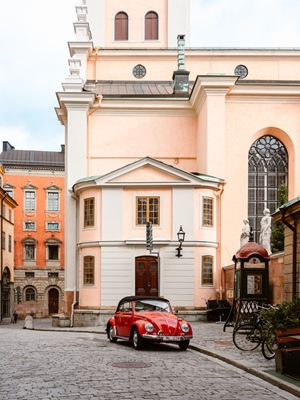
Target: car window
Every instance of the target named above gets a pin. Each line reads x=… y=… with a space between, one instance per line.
x=125 y=307
x=151 y=305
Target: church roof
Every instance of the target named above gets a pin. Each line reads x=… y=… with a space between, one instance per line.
x=128 y=89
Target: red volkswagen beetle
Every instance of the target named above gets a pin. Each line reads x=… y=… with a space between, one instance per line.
x=144 y=318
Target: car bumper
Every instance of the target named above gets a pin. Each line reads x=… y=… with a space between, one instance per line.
x=162 y=338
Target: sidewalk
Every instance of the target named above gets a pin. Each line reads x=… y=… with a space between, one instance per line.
x=209 y=339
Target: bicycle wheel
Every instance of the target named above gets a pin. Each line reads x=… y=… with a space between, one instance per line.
x=247 y=337
x=268 y=349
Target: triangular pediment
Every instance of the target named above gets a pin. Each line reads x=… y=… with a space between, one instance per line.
x=149 y=172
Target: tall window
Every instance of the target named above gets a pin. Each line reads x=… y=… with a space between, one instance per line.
x=9 y=243
x=207 y=271
x=29 y=250
x=151 y=26
x=88 y=270
x=207 y=211
x=53 y=201
x=267 y=170
x=89 y=212
x=30 y=201
x=53 y=252
x=121 y=26
x=3 y=240
x=147 y=210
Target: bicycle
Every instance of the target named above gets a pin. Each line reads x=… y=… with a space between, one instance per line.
x=249 y=335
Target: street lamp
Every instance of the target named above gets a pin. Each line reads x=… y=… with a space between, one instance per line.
x=180 y=235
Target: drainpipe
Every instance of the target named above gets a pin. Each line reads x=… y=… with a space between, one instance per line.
x=1 y=277
x=294 y=264
x=72 y=308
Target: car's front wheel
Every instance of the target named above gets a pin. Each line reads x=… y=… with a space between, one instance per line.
x=111 y=335
x=184 y=345
x=137 y=340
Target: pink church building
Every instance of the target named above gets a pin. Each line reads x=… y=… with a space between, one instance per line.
x=156 y=131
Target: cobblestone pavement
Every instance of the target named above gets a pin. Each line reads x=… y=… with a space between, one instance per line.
x=54 y=363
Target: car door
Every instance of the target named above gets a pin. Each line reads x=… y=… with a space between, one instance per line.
x=123 y=319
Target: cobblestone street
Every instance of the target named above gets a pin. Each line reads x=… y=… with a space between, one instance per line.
x=85 y=365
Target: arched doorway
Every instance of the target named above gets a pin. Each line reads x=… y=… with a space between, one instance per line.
x=53 y=297
x=6 y=312
x=146 y=276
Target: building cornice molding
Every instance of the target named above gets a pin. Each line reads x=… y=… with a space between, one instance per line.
x=74 y=100
x=81 y=48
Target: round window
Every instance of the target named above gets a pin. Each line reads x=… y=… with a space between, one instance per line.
x=139 y=71
x=241 y=71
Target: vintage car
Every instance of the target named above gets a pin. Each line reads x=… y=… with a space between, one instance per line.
x=148 y=319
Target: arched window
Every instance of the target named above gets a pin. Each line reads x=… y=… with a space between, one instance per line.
x=121 y=26
x=267 y=170
x=29 y=294
x=151 y=26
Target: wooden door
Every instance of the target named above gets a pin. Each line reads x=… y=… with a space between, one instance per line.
x=53 y=301
x=146 y=276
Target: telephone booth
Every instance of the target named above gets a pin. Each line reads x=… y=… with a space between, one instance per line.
x=251 y=282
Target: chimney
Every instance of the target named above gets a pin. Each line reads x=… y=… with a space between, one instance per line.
x=181 y=76
x=6 y=146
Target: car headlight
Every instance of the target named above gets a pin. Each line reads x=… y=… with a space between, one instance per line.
x=149 y=327
x=185 y=328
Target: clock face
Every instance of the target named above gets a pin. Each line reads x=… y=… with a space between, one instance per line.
x=241 y=71
x=139 y=71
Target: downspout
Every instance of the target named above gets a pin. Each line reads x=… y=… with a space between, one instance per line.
x=219 y=265
x=72 y=308
x=294 y=264
x=1 y=277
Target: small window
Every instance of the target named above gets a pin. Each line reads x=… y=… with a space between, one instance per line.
x=10 y=193
x=30 y=201
x=53 y=201
x=207 y=271
x=3 y=210
x=151 y=26
x=52 y=274
x=52 y=226
x=207 y=211
x=9 y=243
x=29 y=251
x=88 y=212
x=121 y=26
x=29 y=225
x=9 y=215
x=29 y=274
x=88 y=270
x=147 y=210
x=53 y=252
x=30 y=294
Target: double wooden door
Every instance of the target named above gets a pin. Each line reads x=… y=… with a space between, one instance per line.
x=146 y=276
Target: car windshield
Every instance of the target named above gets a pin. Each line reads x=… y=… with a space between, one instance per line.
x=151 y=305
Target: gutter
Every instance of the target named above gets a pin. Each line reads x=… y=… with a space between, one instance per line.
x=72 y=308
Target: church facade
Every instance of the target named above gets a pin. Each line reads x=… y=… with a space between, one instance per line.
x=160 y=132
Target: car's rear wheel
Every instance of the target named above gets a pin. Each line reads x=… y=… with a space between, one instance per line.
x=184 y=345
x=111 y=335
x=137 y=340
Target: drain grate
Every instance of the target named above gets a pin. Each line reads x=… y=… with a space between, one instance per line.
x=131 y=364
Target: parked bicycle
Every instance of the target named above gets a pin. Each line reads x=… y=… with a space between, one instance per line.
x=249 y=335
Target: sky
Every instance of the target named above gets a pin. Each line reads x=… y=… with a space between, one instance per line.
x=28 y=85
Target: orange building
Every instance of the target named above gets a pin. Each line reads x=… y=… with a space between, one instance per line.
x=35 y=180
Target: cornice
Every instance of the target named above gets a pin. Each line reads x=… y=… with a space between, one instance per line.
x=265 y=93
x=73 y=100
x=80 y=47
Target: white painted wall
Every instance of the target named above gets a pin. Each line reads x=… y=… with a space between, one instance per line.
x=183 y=212
x=96 y=21
x=112 y=214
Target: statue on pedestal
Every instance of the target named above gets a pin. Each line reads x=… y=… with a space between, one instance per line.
x=245 y=233
x=265 y=231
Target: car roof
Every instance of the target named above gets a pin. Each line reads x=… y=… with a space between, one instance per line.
x=134 y=298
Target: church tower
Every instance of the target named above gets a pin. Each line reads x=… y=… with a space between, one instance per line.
x=138 y=24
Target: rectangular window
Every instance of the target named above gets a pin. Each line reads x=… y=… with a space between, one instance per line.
x=52 y=274
x=207 y=271
x=89 y=212
x=30 y=201
x=53 y=201
x=88 y=270
x=9 y=243
x=52 y=226
x=9 y=215
x=3 y=240
x=3 y=210
x=207 y=211
x=53 y=251
x=29 y=225
x=147 y=210
x=29 y=274
x=29 y=251
x=10 y=193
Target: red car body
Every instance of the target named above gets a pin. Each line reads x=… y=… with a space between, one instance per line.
x=143 y=318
